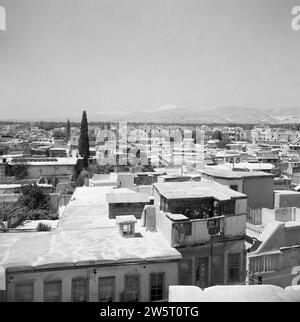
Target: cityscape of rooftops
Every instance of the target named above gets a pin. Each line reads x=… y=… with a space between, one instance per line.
x=149 y=152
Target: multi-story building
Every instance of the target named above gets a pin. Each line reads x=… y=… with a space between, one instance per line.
x=88 y=257
x=205 y=222
x=257 y=185
x=274 y=250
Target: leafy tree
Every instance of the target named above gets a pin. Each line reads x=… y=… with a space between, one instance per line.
x=43 y=227
x=84 y=145
x=20 y=171
x=32 y=204
x=33 y=198
x=279 y=170
x=223 y=138
x=4 y=150
x=217 y=135
x=103 y=169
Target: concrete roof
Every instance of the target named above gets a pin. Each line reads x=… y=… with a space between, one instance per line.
x=287 y=192
x=81 y=247
x=126 y=219
x=228 y=174
x=10 y=186
x=57 y=162
x=84 y=236
x=87 y=209
x=202 y=189
x=254 y=166
x=127 y=197
x=177 y=217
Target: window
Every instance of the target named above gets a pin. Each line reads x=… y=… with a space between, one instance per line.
x=128 y=229
x=217 y=274
x=185 y=272
x=132 y=288
x=234 y=187
x=106 y=289
x=80 y=290
x=52 y=291
x=157 y=284
x=188 y=229
x=201 y=272
x=229 y=207
x=234 y=264
x=24 y=292
x=163 y=204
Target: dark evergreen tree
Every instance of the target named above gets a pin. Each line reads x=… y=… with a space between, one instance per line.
x=68 y=130
x=84 y=145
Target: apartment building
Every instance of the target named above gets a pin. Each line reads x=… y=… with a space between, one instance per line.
x=257 y=185
x=205 y=221
x=89 y=257
x=274 y=249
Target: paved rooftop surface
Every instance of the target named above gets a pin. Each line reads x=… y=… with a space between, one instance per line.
x=85 y=236
x=202 y=189
x=228 y=174
x=87 y=209
x=84 y=247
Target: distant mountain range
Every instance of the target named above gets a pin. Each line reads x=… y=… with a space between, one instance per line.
x=175 y=114
x=228 y=114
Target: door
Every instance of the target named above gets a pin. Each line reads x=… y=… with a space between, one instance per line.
x=217 y=270
x=201 y=272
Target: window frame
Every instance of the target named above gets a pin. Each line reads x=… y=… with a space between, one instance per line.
x=187 y=273
x=232 y=267
x=114 y=287
x=31 y=284
x=188 y=231
x=74 y=280
x=138 y=276
x=163 y=286
x=53 y=282
x=234 y=187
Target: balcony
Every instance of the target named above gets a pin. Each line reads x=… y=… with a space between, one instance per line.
x=198 y=231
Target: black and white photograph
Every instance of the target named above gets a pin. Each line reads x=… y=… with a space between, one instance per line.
x=149 y=152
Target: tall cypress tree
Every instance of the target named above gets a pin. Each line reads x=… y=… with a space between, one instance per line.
x=84 y=145
x=68 y=130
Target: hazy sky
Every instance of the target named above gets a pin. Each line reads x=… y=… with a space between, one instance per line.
x=58 y=57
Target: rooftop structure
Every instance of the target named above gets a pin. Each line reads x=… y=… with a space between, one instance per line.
x=274 y=249
x=258 y=186
x=191 y=190
x=87 y=239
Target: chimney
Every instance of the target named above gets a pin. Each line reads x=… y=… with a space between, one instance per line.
x=149 y=217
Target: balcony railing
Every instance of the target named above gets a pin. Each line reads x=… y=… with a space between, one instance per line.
x=214 y=226
x=197 y=231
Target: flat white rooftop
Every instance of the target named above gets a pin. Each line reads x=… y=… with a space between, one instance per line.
x=87 y=209
x=126 y=219
x=84 y=236
x=202 y=189
x=234 y=293
x=23 y=251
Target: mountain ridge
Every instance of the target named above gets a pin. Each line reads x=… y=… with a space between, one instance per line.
x=177 y=114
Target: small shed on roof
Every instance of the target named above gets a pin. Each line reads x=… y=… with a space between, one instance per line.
x=126 y=202
x=127 y=197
